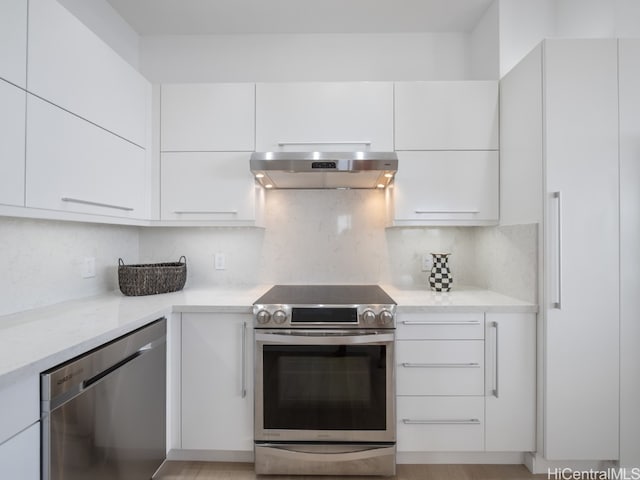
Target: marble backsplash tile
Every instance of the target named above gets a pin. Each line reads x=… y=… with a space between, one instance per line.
x=42 y=260
x=323 y=236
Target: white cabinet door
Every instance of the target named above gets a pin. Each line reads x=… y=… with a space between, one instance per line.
x=20 y=406
x=210 y=186
x=20 y=455
x=204 y=117
x=629 y=252
x=582 y=292
x=510 y=408
x=75 y=166
x=71 y=67
x=12 y=138
x=445 y=188
x=13 y=41
x=339 y=116
x=446 y=115
x=440 y=367
x=217 y=386
x=440 y=424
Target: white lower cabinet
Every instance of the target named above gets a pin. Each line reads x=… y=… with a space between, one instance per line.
x=216 y=187
x=440 y=424
x=466 y=382
x=20 y=455
x=510 y=406
x=217 y=382
x=444 y=188
x=20 y=429
x=75 y=166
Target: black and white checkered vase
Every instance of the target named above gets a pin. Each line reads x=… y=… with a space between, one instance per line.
x=440 y=279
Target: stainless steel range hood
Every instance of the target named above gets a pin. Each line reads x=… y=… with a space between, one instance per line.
x=324 y=170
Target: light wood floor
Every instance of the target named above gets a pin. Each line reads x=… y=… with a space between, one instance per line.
x=244 y=471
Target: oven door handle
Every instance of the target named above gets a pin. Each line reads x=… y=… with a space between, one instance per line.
x=326 y=338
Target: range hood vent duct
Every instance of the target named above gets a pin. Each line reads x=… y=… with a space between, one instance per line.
x=324 y=170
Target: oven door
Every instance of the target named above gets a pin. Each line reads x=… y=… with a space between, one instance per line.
x=325 y=385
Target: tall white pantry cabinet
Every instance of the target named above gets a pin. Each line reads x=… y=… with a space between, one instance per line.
x=570 y=144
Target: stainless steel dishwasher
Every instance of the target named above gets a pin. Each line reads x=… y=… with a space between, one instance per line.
x=104 y=413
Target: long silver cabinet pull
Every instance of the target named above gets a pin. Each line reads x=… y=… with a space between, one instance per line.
x=207 y=212
x=462 y=421
x=244 y=359
x=419 y=212
x=558 y=303
x=441 y=365
x=496 y=376
x=425 y=322
x=96 y=204
x=340 y=142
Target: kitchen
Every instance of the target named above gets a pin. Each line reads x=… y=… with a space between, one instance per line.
x=331 y=224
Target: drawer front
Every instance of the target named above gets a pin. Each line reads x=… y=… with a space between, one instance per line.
x=440 y=424
x=440 y=367
x=20 y=406
x=440 y=326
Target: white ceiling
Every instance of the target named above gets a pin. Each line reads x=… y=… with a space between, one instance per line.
x=184 y=17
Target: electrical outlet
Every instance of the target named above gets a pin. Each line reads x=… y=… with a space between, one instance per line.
x=89 y=267
x=219 y=261
x=427 y=262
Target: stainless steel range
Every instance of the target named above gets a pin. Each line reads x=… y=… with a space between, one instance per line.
x=324 y=380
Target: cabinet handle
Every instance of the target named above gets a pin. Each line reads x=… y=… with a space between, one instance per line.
x=97 y=204
x=244 y=359
x=425 y=322
x=341 y=142
x=441 y=365
x=208 y=212
x=420 y=212
x=462 y=421
x=558 y=304
x=496 y=371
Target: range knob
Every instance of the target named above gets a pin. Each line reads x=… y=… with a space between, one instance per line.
x=279 y=316
x=263 y=317
x=386 y=317
x=368 y=316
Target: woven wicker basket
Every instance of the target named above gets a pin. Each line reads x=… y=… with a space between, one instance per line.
x=152 y=278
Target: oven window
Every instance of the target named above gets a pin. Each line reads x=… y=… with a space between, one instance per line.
x=319 y=387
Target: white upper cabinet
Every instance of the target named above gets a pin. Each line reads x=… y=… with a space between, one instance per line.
x=74 y=69
x=204 y=117
x=211 y=186
x=338 y=116
x=74 y=166
x=446 y=115
x=13 y=41
x=444 y=188
x=12 y=131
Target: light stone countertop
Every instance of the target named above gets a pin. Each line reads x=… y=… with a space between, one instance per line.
x=36 y=340
x=460 y=299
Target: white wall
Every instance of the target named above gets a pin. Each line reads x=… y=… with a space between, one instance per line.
x=41 y=260
x=524 y=23
x=484 y=46
x=304 y=57
x=99 y=16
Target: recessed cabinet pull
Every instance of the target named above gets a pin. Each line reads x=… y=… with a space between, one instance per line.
x=496 y=383
x=96 y=204
x=425 y=322
x=420 y=212
x=558 y=303
x=440 y=365
x=463 y=421
x=244 y=359
x=339 y=142
x=207 y=212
